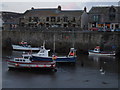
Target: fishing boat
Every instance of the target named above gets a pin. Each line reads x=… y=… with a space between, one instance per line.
x=43 y=55
x=27 y=62
x=24 y=46
x=97 y=51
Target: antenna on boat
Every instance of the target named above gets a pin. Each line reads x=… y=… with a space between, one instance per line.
x=44 y=43
x=73 y=40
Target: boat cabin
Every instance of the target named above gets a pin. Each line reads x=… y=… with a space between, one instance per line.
x=72 y=52
x=24 y=44
x=97 y=49
x=42 y=53
x=25 y=58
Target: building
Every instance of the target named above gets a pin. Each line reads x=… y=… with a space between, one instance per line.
x=51 y=17
x=1 y=20
x=10 y=20
x=119 y=3
x=104 y=17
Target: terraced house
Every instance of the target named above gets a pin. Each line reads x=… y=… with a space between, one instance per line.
x=104 y=17
x=51 y=17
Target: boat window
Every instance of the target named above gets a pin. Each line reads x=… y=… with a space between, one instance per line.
x=20 y=60
x=24 y=60
x=17 y=60
x=25 y=57
x=95 y=49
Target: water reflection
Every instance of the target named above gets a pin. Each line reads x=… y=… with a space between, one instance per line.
x=97 y=58
x=105 y=63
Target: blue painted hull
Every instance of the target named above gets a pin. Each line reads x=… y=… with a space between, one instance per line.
x=59 y=59
x=67 y=59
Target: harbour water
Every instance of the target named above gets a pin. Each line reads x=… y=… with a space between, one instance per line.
x=88 y=72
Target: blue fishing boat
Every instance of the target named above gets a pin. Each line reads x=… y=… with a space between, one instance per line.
x=43 y=55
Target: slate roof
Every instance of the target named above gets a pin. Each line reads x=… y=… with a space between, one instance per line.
x=54 y=11
x=102 y=9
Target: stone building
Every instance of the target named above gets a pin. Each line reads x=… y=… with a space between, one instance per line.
x=119 y=3
x=51 y=17
x=104 y=17
x=10 y=20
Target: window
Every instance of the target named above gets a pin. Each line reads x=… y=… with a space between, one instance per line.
x=65 y=19
x=73 y=19
x=17 y=60
x=47 y=19
x=52 y=19
x=35 y=19
x=22 y=24
x=25 y=57
x=30 y=19
x=96 y=18
x=58 y=19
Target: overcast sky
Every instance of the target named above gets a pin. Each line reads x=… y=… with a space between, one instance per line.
x=21 y=6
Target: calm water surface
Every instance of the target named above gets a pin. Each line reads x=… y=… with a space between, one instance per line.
x=86 y=73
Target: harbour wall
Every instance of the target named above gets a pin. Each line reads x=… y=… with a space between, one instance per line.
x=64 y=40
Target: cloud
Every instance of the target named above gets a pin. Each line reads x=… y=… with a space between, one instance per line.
x=60 y=1
x=23 y=6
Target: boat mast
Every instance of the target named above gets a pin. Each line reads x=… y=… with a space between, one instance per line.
x=73 y=39
x=54 y=44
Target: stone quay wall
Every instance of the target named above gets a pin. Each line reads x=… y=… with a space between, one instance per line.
x=64 y=40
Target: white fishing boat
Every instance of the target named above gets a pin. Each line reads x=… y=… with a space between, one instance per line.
x=97 y=51
x=27 y=62
x=24 y=46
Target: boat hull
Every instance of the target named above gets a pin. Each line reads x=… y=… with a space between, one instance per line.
x=21 y=48
x=66 y=59
x=58 y=59
x=13 y=64
x=102 y=53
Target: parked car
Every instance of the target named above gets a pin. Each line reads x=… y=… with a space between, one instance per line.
x=118 y=29
x=112 y=30
x=93 y=29
x=108 y=30
x=100 y=29
x=54 y=26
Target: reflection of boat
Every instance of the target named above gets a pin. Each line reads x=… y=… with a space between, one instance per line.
x=24 y=46
x=42 y=55
x=28 y=62
x=97 y=51
x=101 y=57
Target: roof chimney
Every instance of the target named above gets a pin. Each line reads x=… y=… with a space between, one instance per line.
x=32 y=8
x=85 y=9
x=59 y=8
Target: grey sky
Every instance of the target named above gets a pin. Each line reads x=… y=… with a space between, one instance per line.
x=21 y=7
